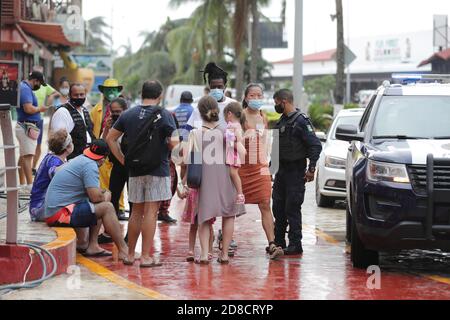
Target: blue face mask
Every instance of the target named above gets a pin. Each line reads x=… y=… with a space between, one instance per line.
x=217 y=94
x=256 y=104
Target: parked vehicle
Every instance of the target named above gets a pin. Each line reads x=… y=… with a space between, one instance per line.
x=330 y=182
x=398 y=170
x=173 y=94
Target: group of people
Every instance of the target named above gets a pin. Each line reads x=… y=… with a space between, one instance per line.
x=92 y=156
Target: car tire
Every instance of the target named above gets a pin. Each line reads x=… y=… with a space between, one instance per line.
x=361 y=257
x=321 y=200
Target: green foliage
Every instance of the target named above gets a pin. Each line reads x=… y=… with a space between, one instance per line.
x=319 y=89
x=351 y=106
x=321 y=116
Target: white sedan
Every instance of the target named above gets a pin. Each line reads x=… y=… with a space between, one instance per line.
x=330 y=182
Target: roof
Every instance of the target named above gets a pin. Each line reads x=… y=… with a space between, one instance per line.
x=442 y=55
x=314 y=57
x=52 y=33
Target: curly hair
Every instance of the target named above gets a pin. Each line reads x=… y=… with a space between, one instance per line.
x=57 y=141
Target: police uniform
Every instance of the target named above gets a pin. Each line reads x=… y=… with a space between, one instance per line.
x=297 y=143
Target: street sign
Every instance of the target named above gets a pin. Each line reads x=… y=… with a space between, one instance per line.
x=350 y=57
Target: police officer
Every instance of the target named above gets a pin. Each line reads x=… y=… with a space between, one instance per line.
x=297 y=143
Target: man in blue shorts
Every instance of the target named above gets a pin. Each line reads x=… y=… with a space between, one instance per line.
x=74 y=199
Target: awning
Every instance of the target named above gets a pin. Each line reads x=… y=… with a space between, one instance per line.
x=47 y=32
x=14 y=39
x=442 y=55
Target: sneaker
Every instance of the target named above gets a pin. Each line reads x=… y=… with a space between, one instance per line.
x=240 y=199
x=102 y=239
x=294 y=251
x=166 y=218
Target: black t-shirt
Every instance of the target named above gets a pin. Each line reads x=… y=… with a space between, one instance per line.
x=130 y=122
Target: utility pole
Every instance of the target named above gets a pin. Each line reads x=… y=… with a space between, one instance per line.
x=298 y=55
x=340 y=55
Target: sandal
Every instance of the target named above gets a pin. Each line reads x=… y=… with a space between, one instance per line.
x=153 y=264
x=275 y=252
x=190 y=257
x=222 y=261
x=202 y=262
x=128 y=262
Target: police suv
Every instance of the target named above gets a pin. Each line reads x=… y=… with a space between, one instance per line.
x=398 y=170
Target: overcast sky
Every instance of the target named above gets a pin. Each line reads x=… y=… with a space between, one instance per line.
x=362 y=18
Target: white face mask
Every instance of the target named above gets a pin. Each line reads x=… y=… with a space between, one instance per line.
x=64 y=92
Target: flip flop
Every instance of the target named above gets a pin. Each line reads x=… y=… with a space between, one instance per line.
x=150 y=265
x=202 y=262
x=102 y=254
x=223 y=262
x=81 y=251
x=127 y=262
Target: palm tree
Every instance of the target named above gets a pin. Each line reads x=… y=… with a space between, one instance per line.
x=340 y=55
x=240 y=20
x=97 y=38
x=203 y=38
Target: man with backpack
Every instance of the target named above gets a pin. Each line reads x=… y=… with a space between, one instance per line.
x=149 y=130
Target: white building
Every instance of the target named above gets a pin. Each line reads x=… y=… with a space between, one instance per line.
x=377 y=58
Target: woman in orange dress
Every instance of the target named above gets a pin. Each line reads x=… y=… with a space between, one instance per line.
x=255 y=173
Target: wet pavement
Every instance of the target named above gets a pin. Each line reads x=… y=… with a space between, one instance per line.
x=324 y=271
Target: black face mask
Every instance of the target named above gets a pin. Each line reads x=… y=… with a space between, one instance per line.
x=36 y=87
x=115 y=117
x=78 y=102
x=279 y=108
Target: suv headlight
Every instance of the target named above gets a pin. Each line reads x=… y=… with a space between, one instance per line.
x=335 y=163
x=380 y=171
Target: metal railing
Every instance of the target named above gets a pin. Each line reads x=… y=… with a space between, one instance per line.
x=11 y=189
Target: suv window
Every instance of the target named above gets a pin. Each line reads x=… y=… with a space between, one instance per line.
x=413 y=116
x=365 y=118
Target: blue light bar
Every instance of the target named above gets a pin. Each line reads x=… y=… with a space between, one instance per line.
x=416 y=77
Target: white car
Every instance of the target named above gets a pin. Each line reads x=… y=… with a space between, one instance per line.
x=330 y=182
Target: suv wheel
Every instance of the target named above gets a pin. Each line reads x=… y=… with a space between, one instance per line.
x=362 y=258
x=322 y=201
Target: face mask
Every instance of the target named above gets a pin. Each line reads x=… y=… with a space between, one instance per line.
x=111 y=94
x=279 y=108
x=78 y=102
x=217 y=94
x=255 y=104
x=36 y=87
x=64 y=91
x=115 y=117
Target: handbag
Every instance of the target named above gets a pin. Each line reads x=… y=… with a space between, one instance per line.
x=31 y=130
x=194 y=168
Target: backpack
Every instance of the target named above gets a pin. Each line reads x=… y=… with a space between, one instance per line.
x=144 y=155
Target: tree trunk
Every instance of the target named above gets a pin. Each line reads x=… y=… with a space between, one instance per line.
x=240 y=73
x=241 y=16
x=255 y=54
x=340 y=55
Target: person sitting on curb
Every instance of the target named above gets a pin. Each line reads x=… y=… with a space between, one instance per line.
x=74 y=199
x=60 y=146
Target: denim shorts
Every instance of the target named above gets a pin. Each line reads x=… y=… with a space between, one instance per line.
x=83 y=215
